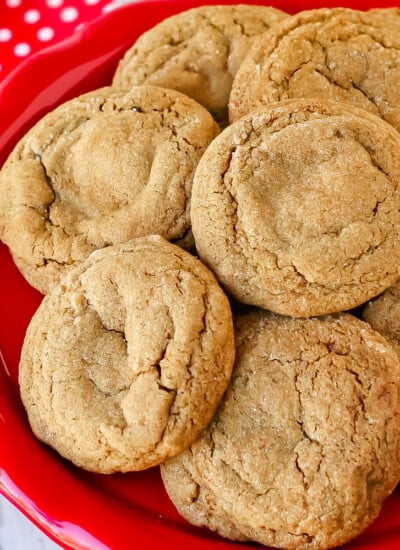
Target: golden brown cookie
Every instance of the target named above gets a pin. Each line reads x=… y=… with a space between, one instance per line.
x=99 y=170
x=332 y=54
x=305 y=445
x=391 y=15
x=383 y=314
x=125 y=362
x=197 y=52
x=296 y=208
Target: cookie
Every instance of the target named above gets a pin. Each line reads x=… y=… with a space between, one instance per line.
x=383 y=314
x=391 y=15
x=331 y=54
x=125 y=362
x=296 y=208
x=194 y=501
x=305 y=445
x=99 y=170
x=197 y=52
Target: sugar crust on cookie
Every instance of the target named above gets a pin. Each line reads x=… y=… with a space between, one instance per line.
x=100 y=169
x=334 y=54
x=197 y=52
x=305 y=445
x=296 y=207
x=125 y=362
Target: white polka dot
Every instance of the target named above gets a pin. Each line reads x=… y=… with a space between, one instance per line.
x=5 y=35
x=13 y=3
x=46 y=33
x=32 y=16
x=109 y=7
x=22 y=49
x=54 y=3
x=69 y=14
x=91 y=2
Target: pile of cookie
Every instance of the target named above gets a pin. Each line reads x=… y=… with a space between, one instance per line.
x=210 y=232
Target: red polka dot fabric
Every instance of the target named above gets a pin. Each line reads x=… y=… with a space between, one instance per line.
x=26 y=26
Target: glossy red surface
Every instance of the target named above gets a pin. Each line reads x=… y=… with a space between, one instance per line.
x=77 y=509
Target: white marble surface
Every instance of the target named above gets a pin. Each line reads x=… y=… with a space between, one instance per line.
x=18 y=533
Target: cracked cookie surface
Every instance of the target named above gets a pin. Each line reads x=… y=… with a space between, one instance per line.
x=391 y=15
x=197 y=52
x=333 y=54
x=305 y=445
x=383 y=314
x=101 y=169
x=125 y=362
x=296 y=207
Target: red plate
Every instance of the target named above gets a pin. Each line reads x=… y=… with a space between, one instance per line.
x=77 y=509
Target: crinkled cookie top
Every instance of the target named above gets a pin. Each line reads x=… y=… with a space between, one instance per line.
x=197 y=52
x=331 y=54
x=296 y=207
x=101 y=169
x=125 y=362
x=305 y=445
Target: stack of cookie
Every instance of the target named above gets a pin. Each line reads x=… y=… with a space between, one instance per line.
x=287 y=432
